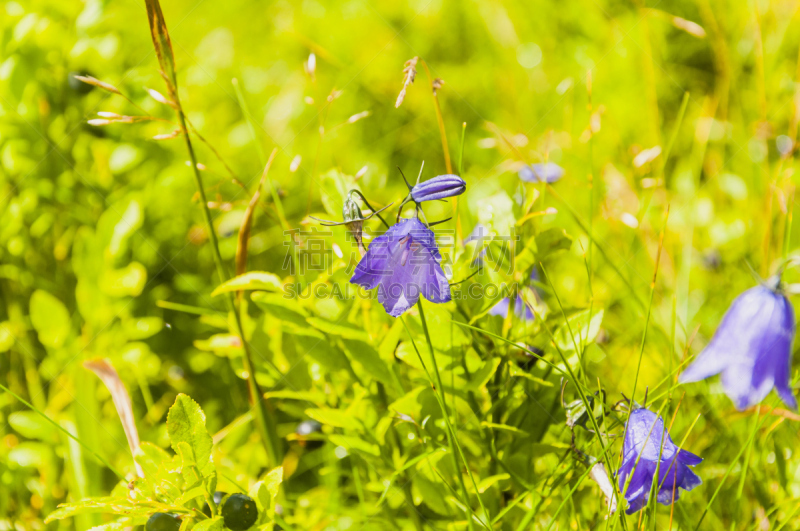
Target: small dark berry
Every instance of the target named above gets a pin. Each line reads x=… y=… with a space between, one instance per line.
x=239 y=512
x=163 y=522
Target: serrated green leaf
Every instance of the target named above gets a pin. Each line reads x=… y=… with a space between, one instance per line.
x=110 y=505
x=252 y=280
x=186 y=425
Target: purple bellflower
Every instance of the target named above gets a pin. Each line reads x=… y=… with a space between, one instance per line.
x=438 y=188
x=647 y=441
x=547 y=172
x=752 y=348
x=403 y=264
x=521 y=309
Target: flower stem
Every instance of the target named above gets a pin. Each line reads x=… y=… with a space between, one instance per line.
x=451 y=435
x=439 y=120
x=264 y=421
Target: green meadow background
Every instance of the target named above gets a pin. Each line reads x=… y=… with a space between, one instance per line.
x=104 y=252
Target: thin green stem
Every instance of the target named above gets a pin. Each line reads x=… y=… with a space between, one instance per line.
x=749 y=452
x=438 y=390
x=264 y=421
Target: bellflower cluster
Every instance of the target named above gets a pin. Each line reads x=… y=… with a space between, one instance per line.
x=752 y=348
x=404 y=263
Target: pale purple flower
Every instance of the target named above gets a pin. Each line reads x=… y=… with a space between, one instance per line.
x=647 y=441
x=545 y=172
x=521 y=309
x=439 y=187
x=403 y=264
x=752 y=348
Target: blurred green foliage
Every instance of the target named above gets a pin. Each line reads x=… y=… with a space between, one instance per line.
x=104 y=254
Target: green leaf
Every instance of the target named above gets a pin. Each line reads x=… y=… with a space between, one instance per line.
x=273 y=480
x=369 y=358
x=552 y=240
x=142 y=327
x=113 y=526
x=189 y=495
x=515 y=371
x=31 y=424
x=186 y=425
x=483 y=375
x=583 y=330
x=128 y=281
x=211 y=524
x=432 y=493
x=334 y=417
x=261 y=495
x=289 y=311
x=112 y=505
x=505 y=427
x=131 y=220
x=444 y=335
x=485 y=483
x=227 y=345
x=253 y=280
x=345 y=331
x=6 y=336
x=50 y=319
x=150 y=457
x=354 y=443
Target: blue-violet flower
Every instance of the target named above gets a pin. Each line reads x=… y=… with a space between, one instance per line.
x=647 y=441
x=403 y=264
x=547 y=172
x=752 y=348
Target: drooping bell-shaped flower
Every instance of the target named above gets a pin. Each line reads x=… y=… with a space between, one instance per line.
x=543 y=172
x=438 y=188
x=647 y=441
x=752 y=348
x=403 y=264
